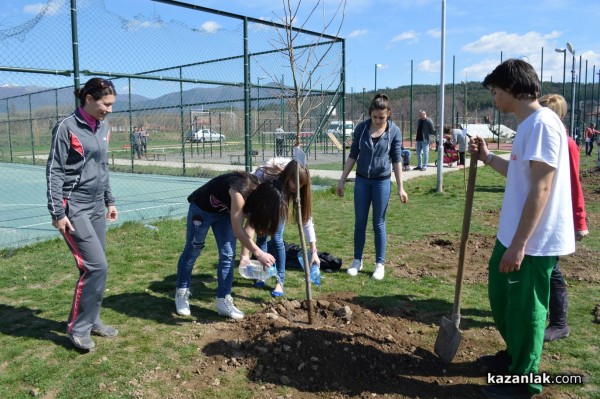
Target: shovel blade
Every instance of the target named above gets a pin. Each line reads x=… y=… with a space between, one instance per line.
x=448 y=341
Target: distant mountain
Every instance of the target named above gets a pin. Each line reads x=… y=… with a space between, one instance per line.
x=213 y=97
x=45 y=97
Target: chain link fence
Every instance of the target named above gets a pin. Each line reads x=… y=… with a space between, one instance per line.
x=210 y=89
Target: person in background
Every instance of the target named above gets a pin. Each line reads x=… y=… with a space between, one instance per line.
x=425 y=129
x=459 y=137
x=284 y=170
x=590 y=132
x=536 y=222
x=376 y=149
x=135 y=142
x=221 y=205
x=144 y=140
x=279 y=141
x=80 y=201
x=557 y=327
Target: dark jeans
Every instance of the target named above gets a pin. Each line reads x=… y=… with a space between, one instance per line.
x=279 y=147
x=589 y=146
x=556 y=278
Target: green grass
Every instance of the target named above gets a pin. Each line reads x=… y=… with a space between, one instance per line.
x=36 y=288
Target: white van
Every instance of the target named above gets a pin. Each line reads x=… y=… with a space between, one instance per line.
x=335 y=127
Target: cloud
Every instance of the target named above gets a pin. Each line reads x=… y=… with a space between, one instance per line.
x=357 y=33
x=52 y=8
x=428 y=66
x=138 y=23
x=410 y=35
x=480 y=70
x=510 y=43
x=435 y=33
x=210 y=27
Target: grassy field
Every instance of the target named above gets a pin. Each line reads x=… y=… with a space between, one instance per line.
x=36 y=287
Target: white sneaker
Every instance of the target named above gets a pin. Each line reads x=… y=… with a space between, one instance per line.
x=355 y=267
x=182 y=303
x=225 y=307
x=379 y=271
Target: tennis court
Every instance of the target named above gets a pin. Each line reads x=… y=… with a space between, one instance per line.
x=24 y=217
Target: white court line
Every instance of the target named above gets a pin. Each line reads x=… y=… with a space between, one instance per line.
x=151 y=207
x=26 y=226
x=120 y=212
x=19 y=205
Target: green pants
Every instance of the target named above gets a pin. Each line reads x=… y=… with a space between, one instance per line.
x=519 y=302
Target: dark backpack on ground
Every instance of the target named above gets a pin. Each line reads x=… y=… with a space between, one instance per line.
x=328 y=262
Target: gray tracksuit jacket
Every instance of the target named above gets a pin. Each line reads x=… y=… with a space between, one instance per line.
x=77 y=165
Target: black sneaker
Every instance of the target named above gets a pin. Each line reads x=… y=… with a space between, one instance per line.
x=553 y=333
x=498 y=363
x=417 y=168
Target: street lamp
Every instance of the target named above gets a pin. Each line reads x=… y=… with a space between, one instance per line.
x=376 y=66
x=572 y=51
x=564 y=51
x=363 y=105
x=258 y=79
x=465 y=105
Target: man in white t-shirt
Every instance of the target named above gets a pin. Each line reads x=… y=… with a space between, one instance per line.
x=536 y=224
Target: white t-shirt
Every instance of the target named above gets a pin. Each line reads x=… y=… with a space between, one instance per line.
x=540 y=137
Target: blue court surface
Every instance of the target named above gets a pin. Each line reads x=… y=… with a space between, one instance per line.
x=24 y=216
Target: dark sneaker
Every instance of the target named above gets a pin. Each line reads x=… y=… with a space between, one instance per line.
x=497 y=363
x=553 y=333
x=105 y=331
x=519 y=391
x=417 y=168
x=81 y=342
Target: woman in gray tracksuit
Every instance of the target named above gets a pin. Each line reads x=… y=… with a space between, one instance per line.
x=78 y=194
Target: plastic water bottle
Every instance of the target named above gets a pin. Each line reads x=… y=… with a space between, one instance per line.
x=254 y=271
x=315 y=271
x=315 y=274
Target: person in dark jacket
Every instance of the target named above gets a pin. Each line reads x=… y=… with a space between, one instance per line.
x=425 y=129
x=376 y=149
x=80 y=201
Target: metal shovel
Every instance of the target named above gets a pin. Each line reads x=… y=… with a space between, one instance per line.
x=449 y=336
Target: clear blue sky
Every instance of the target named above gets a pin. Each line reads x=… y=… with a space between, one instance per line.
x=394 y=32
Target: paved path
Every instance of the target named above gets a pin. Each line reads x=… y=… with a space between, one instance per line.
x=329 y=174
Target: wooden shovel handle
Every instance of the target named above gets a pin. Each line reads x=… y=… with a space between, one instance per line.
x=464 y=237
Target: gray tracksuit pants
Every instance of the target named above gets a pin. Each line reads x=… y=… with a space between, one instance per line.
x=88 y=244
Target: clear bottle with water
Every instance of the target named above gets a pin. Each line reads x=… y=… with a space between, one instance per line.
x=314 y=271
x=254 y=270
x=315 y=274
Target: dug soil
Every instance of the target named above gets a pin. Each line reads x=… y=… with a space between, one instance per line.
x=353 y=351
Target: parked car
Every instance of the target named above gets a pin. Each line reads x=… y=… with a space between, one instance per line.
x=205 y=135
x=335 y=127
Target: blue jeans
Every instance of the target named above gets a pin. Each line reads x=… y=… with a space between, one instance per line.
x=277 y=248
x=367 y=192
x=422 y=147
x=198 y=223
